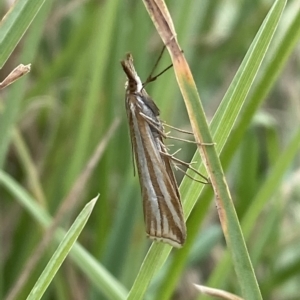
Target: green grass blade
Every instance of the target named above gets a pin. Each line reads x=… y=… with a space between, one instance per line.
x=104 y=281
x=218 y=122
x=97 y=75
x=270 y=74
x=17 y=90
x=263 y=196
x=61 y=252
x=65 y=105
x=15 y=24
x=221 y=128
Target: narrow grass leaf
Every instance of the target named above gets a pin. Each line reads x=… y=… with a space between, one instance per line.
x=61 y=252
x=96 y=273
x=15 y=24
x=276 y=63
x=221 y=128
x=266 y=191
x=16 y=92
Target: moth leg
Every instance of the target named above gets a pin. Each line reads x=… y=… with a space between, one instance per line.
x=189 y=176
x=155 y=125
x=188 y=165
x=186 y=132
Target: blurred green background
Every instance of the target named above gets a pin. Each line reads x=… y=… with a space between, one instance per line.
x=63 y=108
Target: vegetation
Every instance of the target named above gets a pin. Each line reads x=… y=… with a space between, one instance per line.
x=64 y=140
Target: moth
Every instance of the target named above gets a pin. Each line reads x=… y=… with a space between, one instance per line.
x=162 y=207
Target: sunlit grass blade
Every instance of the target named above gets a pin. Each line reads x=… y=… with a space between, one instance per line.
x=270 y=74
x=52 y=118
x=15 y=24
x=267 y=190
x=72 y=200
x=102 y=279
x=219 y=122
x=223 y=125
x=61 y=252
x=17 y=90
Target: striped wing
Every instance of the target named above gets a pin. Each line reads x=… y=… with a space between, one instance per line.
x=161 y=200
